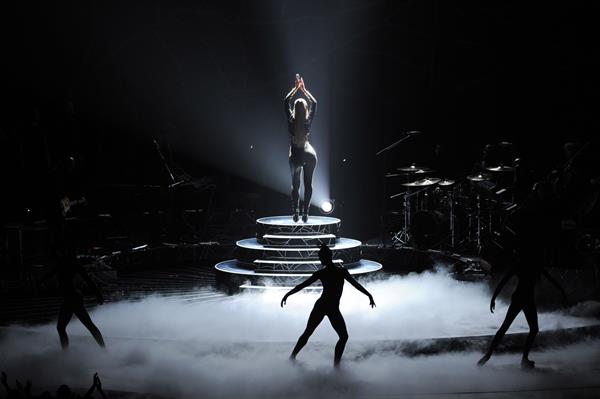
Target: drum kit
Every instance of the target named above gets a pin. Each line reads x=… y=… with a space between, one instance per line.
x=437 y=211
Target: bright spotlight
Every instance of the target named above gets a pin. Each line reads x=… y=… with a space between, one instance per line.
x=327 y=207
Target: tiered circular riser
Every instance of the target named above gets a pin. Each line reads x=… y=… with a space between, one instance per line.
x=285 y=252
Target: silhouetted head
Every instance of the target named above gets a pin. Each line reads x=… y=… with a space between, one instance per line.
x=63 y=391
x=300 y=109
x=325 y=255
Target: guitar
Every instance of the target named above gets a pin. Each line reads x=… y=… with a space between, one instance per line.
x=66 y=204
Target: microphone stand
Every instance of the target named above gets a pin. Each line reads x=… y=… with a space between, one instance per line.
x=407 y=135
x=389 y=147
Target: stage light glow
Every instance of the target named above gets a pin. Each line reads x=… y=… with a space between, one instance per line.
x=327 y=206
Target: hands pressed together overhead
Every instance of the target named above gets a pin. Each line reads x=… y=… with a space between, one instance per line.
x=299 y=83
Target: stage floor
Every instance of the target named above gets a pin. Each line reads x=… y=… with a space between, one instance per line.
x=423 y=338
x=371 y=369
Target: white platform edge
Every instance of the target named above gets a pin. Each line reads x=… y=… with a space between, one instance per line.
x=252 y=243
x=312 y=221
x=375 y=266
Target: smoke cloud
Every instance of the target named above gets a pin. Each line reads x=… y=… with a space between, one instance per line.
x=238 y=346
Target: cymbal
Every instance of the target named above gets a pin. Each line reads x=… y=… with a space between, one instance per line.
x=425 y=170
x=501 y=168
x=405 y=174
x=413 y=169
x=478 y=177
x=430 y=181
x=390 y=175
x=446 y=182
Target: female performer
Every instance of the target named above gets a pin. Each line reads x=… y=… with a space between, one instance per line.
x=302 y=156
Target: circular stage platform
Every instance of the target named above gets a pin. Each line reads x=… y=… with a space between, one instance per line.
x=312 y=223
x=339 y=244
x=285 y=252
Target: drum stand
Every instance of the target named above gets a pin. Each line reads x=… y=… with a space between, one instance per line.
x=402 y=237
x=451 y=220
x=478 y=245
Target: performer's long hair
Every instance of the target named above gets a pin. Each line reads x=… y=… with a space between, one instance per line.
x=300 y=113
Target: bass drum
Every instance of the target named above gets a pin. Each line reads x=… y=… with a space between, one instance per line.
x=429 y=228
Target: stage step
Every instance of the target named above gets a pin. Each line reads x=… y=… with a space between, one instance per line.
x=297 y=241
x=263 y=265
x=340 y=244
x=234 y=266
x=285 y=225
x=346 y=249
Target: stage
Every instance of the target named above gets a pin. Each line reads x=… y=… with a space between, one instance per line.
x=423 y=338
x=176 y=173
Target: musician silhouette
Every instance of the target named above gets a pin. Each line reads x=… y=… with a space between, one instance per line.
x=332 y=278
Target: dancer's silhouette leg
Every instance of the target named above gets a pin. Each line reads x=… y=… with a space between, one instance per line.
x=64 y=316
x=309 y=169
x=513 y=310
x=339 y=325
x=530 y=311
x=315 y=318
x=85 y=319
x=295 y=170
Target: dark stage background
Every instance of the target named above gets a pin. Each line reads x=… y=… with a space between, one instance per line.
x=101 y=80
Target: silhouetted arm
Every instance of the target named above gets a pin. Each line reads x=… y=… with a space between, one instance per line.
x=501 y=285
x=26 y=390
x=312 y=101
x=91 y=284
x=312 y=107
x=359 y=287
x=299 y=287
x=555 y=283
x=90 y=391
x=96 y=385
x=4 y=381
x=287 y=102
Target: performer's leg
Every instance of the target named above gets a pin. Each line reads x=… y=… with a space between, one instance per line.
x=295 y=170
x=339 y=325
x=64 y=316
x=530 y=311
x=513 y=310
x=315 y=318
x=310 y=163
x=85 y=319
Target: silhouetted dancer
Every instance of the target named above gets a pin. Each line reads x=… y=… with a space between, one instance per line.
x=66 y=271
x=302 y=156
x=523 y=299
x=332 y=278
x=67 y=267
